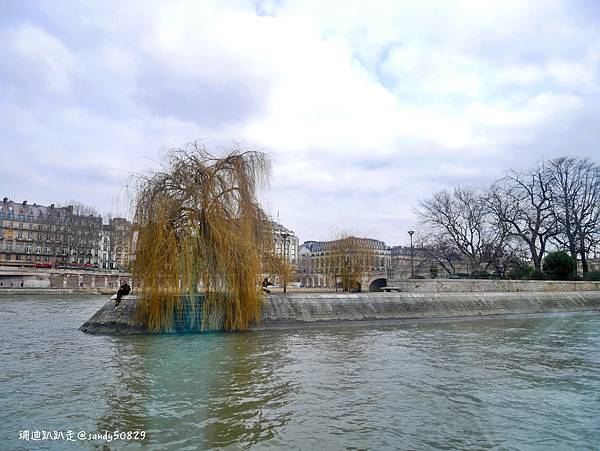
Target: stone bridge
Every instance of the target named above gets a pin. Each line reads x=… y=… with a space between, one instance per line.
x=371 y=281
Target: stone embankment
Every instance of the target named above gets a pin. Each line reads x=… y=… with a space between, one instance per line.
x=495 y=286
x=313 y=309
x=39 y=280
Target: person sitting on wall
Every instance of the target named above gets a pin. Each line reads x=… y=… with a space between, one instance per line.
x=265 y=284
x=124 y=290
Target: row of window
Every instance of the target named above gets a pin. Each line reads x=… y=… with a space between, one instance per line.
x=40 y=218
x=38 y=237
x=28 y=249
x=37 y=258
x=40 y=227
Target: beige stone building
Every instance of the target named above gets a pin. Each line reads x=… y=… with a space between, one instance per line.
x=314 y=261
x=44 y=236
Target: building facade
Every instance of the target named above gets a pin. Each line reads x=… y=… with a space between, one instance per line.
x=116 y=244
x=38 y=235
x=319 y=262
x=402 y=266
x=285 y=243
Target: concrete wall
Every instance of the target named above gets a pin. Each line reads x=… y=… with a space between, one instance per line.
x=471 y=285
x=311 y=309
x=88 y=280
x=13 y=277
x=34 y=281
x=281 y=311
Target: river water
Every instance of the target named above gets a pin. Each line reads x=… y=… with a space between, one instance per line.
x=496 y=384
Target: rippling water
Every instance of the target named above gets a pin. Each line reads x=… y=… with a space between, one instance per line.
x=513 y=384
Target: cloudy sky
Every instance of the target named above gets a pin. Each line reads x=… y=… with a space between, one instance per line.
x=364 y=107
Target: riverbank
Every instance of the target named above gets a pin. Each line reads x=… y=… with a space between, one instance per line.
x=56 y=291
x=97 y=281
x=280 y=311
x=493 y=285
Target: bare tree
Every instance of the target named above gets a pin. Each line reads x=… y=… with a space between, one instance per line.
x=522 y=202
x=83 y=232
x=462 y=218
x=576 y=201
x=507 y=254
x=441 y=250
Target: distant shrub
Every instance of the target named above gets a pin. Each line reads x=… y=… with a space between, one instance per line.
x=538 y=275
x=522 y=272
x=433 y=271
x=559 y=265
x=592 y=276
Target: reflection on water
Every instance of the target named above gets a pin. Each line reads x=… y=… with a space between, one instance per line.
x=526 y=384
x=125 y=407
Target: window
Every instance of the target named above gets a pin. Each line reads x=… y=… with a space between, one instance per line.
x=20 y=225
x=29 y=236
x=30 y=226
x=19 y=247
x=38 y=250
x=9 y=247
x=28 y=249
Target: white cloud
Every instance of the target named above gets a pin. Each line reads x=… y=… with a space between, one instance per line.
x=39 y=56
x=365 y=108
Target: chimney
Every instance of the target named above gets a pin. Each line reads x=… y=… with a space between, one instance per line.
x=52 y=206
x=5 y=199
x=24 y=202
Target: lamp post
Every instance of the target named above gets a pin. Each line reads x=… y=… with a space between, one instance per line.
x=412 y=263
x=284 y=236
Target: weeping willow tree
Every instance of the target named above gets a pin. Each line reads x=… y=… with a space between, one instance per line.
x=202 y=233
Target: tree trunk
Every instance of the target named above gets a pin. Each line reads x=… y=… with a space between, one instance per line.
x=537 y=258
x=582 y=252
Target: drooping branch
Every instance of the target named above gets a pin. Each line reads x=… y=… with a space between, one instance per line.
x=203 y=230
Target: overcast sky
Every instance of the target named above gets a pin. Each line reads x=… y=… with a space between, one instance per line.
x=364 y=107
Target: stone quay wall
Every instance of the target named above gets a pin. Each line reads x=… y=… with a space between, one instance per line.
x=34 y=278
x=483 y=286
x=281 y=311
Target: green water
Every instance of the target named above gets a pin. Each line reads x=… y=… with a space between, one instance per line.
x=513 y=384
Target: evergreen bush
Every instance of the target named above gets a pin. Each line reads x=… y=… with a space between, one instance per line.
x=559 y=265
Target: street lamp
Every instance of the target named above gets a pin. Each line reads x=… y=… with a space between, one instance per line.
x=284 y=236
x=412 y=263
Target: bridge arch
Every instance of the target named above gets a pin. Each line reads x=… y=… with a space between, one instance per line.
x=378 y=284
